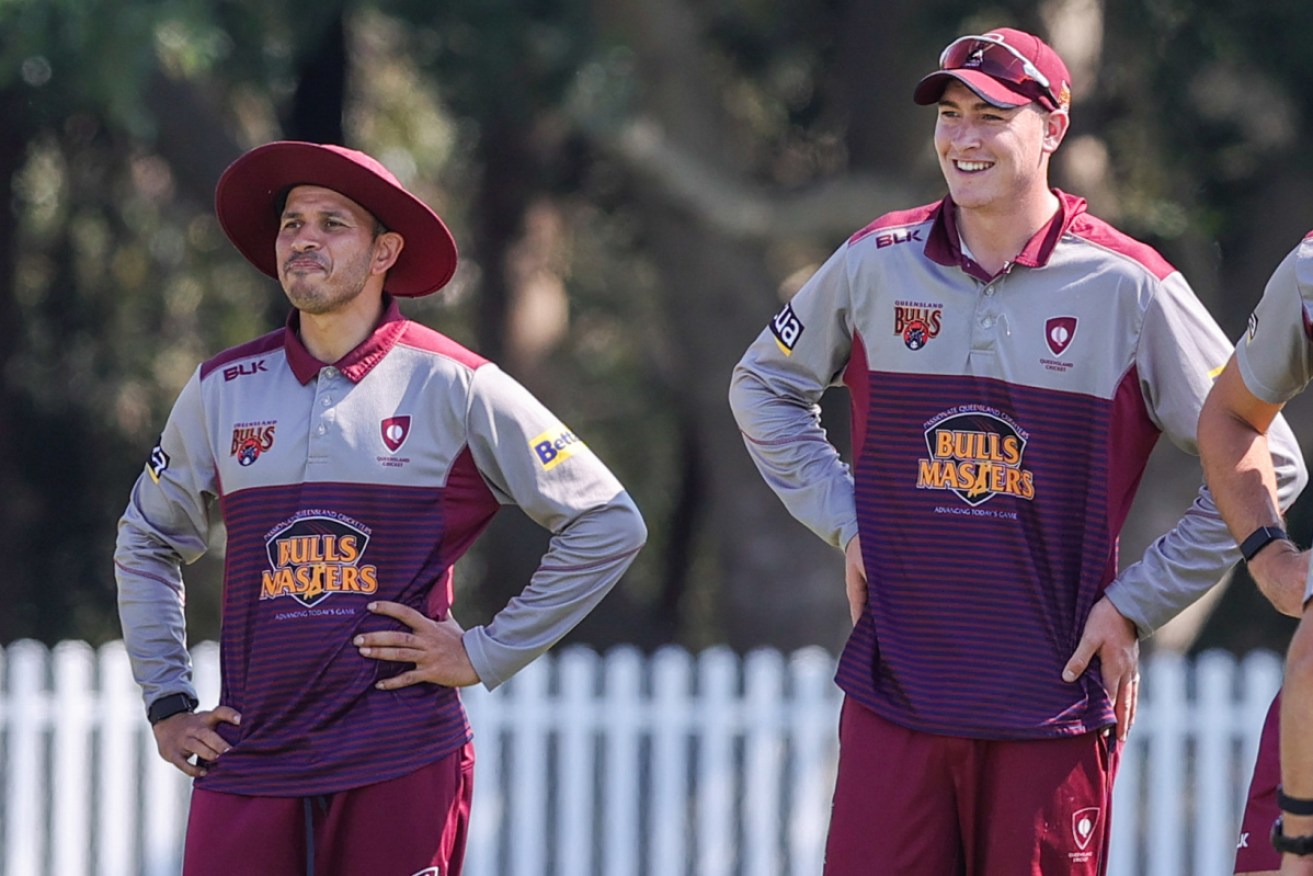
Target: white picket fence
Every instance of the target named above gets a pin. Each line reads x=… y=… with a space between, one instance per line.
x=609 y=765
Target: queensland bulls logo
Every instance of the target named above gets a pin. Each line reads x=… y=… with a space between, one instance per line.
x=1059 y=332
x=394 y=431
x=314 y=556
x=917 y=322
x=975 y=453
x=252 y=439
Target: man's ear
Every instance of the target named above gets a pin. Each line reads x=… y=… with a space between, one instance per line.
x=387 y=248
x=1056 y=124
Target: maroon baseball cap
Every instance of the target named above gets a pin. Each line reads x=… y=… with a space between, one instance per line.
x=1006 y=67
x=251 y=190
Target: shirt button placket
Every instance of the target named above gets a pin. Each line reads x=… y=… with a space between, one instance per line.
x=983 y=334
x=324 y=415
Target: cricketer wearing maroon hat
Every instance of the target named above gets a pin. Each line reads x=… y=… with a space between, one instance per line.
x=353 y=456
x=248 y=195
x=1011 y=361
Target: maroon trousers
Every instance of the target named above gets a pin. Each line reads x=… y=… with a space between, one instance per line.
x=1254 y=852
x=909 y=804
x=415 y=825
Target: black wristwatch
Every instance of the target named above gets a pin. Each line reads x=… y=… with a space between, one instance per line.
x=1261 y=538
x=168 y=706
x=1295 y=845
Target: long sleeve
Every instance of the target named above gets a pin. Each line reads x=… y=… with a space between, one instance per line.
x=531 y=459
x=1180 y=348
x=774 y=394
x=165 y=525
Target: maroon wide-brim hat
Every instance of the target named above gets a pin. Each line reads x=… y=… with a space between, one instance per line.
x=250 y=190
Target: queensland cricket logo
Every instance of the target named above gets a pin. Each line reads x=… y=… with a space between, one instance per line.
x=314 y=556
x=394 y=431
x=1083 y=825
x=1059 y=331
x=976 y=453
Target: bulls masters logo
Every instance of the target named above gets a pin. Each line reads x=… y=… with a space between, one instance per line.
x=316 y=555
x=975 y=453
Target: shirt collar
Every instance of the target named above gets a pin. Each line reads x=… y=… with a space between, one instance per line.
x=944 y=244
x=354 y=365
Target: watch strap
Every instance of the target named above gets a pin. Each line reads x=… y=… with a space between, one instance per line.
x=170 y=705
x=1294 y=845
x=1261 y=538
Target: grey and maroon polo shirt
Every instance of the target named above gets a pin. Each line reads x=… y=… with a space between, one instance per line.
x=338 y=485
x=1001 y=425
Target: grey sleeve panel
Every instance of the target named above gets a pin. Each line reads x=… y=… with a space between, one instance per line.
x=165 y=525
x=774 y=394
x=1180 y=348
x=1274 y=355
x=1179 y=352
x=530 y=459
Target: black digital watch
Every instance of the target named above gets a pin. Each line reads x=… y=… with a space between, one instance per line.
x=1261 y=538
x=1295 y=845
x=170 y=705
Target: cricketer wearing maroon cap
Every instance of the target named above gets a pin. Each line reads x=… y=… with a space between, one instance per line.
x=353 y=456
x=1011 y=362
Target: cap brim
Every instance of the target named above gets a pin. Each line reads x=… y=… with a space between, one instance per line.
x=1001 y=94
x=246 y=203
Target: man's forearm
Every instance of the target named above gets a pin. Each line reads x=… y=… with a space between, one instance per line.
x=1238 y=469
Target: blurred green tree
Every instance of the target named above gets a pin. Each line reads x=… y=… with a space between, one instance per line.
x=635 y=188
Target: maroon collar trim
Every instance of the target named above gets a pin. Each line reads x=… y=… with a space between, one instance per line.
x=354 y=365
x=944 y=244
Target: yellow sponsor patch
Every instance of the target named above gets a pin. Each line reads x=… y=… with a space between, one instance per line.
x=555 y=446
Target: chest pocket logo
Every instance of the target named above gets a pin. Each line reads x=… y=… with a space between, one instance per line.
x=252 y=439
x=1059 y=332
x=395 y=430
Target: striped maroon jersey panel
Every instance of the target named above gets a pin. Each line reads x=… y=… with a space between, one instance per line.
x=303 y=562
x=988 y=514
